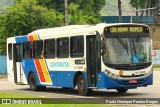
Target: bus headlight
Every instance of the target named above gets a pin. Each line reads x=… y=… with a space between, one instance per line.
x=107 y=72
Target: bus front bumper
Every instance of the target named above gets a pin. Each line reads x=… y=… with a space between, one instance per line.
x=105 y=81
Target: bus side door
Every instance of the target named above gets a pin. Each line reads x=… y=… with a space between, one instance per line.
x=93 y=59
x=17 y=63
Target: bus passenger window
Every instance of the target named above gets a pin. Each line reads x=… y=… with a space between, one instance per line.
x=49 y=48
x=38 y=49
x=27 y=50
x=10 y=51
x=77 y=46
x=63 y=47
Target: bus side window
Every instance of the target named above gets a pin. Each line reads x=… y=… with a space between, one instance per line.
x=77 y=46
x=27 y=50
x=63 y=47
x=10 y=51
x=49 y=48
x=38 y=49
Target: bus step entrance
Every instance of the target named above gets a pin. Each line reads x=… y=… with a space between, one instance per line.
x=19 y=83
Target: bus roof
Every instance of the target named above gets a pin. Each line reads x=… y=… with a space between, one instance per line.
x=59 y=28
x=75 y=29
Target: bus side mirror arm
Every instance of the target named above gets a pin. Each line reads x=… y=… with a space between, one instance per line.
x=102 y=45
x=103 y=48
x=103 y=51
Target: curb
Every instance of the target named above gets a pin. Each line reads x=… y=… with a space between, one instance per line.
x=3 y=76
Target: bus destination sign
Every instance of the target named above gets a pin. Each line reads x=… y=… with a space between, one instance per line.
x=126 y=29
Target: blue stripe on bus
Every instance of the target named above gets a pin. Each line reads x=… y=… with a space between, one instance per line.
x=28 y=65
x=62 y=79
x=20 y=39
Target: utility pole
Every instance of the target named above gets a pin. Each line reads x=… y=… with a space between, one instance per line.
x=136 y=14
x=120 y=11
x=66 y=12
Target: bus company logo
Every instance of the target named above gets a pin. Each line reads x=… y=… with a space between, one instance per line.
x=59 y=64
x=6 y=101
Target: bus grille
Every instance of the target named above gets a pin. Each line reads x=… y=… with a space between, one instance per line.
x=129 y=67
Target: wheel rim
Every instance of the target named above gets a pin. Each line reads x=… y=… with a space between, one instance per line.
x=81 y=85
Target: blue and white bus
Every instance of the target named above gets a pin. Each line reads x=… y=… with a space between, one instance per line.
x=102 y=56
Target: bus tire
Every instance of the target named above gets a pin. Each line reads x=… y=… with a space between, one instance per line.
x=33 y=83
x=122 y=90
x=82 y=86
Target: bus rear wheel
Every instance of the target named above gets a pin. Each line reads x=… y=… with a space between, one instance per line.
x=33 y=83
x=82 y=86
x=122 y=90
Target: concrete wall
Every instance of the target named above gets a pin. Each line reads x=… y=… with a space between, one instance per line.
x=3 y=65
x=155 y=35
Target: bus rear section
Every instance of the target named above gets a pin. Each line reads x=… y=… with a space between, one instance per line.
x=14 y=62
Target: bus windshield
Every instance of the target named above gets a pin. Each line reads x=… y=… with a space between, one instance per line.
x=127 y=50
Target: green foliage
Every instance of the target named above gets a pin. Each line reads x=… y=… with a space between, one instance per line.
x=25 y=17
x=28 y=15
x=85 y=5
x=138 y=3
x=89 y=8
x=77 y=16
x=142 y=4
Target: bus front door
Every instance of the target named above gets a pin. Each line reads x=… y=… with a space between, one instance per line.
x=17 y=63
x=91 y=61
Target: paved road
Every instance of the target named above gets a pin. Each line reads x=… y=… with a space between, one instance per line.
x=141 y=92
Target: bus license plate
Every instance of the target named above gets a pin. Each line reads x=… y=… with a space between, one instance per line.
x=132 y=81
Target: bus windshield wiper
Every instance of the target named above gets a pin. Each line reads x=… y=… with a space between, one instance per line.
x=134 y=48
x=138 y=41
x=125 y=45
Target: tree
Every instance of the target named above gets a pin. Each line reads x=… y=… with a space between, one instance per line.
x=77 y=16
x=26 y=16
x=88 y=7
x=120 y=11
x=141 y=4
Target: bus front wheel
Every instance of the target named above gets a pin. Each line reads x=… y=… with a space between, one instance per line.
x=82 y=86
x=122 y=90
x=33 y=83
